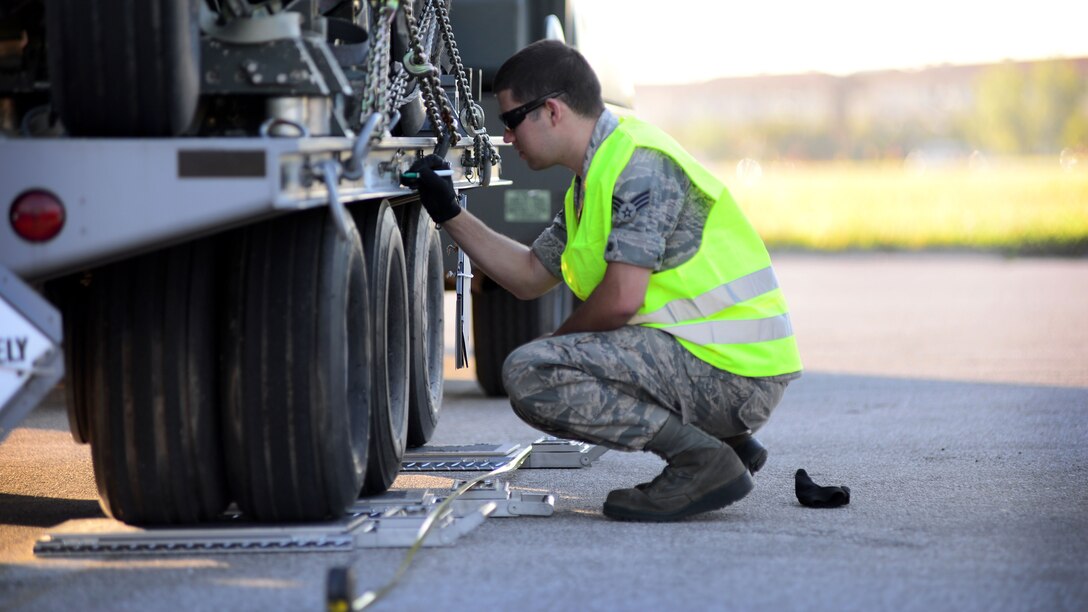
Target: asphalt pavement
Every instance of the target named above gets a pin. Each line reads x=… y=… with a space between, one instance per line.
x=949 y=392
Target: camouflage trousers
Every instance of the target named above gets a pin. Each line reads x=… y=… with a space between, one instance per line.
x=617 y=388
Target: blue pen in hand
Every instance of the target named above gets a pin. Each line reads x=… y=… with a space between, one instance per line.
x=415 y=175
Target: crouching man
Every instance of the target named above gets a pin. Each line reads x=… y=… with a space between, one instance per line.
x=683 y=344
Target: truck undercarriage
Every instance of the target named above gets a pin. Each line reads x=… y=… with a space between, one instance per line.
x=209 y=193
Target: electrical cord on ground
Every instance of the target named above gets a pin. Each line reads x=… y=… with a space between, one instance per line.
x=370 y=597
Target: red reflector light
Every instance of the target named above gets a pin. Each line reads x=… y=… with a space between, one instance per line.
x=37 y=216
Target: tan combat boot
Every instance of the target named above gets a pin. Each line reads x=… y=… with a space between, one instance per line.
x=694 y=481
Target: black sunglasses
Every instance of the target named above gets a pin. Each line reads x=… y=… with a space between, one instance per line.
x=513 y=117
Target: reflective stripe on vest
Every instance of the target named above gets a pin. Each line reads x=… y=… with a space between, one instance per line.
x=742 y=331
x=717 y=299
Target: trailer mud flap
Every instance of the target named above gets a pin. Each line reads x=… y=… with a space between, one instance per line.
x=31 y=361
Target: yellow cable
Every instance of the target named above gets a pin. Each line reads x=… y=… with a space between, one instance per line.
x=368 y=598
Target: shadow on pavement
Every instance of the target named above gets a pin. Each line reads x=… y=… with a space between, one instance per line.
x=36 y=511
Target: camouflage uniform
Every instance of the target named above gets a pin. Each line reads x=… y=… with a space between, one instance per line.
x=618 y=387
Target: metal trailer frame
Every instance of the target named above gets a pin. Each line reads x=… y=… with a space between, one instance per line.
x=180 y=189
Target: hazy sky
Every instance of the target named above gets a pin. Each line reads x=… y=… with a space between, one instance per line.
x=696 y=40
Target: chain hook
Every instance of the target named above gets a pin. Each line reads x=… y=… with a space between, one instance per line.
x=442 y=147
x=472 y=118
x=417 y=67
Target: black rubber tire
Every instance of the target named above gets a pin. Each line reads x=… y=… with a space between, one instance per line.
x=71 y=295
x=124 y=67
x=389 y=325
x=502 y=323
x=426 y=324
x=297 y=391
x=149 y=353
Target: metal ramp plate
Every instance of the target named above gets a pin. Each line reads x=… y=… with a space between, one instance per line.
x=390 y=520
x=94 y=537
x=394 y=526
x=547 y=452
x=464 y=458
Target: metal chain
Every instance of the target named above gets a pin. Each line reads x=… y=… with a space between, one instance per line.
x=460 y=75
x=399 y=96
x=472 y=115
x=377 y=74
x=420 y=65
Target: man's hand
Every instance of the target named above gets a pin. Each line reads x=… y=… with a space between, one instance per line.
x=435 y=192
x=510 y=263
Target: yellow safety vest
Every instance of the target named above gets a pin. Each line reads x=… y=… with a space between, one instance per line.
x=723 y=304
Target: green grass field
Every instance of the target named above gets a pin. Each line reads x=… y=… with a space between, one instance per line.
x=1021 y=206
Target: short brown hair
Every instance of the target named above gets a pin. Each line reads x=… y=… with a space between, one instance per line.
x=549 y=65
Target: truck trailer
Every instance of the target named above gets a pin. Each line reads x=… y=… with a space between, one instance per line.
x=207 y=192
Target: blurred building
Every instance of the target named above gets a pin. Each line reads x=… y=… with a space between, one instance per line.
x=934 y=97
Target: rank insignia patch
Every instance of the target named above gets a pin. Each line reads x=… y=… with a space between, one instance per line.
x=624 y=211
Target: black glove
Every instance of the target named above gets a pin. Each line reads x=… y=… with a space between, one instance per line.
x=814 y=496
x=435 y=192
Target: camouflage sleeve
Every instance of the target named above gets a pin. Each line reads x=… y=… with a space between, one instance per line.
x=646 y=203
x=548 y=246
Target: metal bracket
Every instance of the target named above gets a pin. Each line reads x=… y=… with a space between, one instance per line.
x=496 y=493
x=329 y=169
x=507 y=503
x=285 y=67
x=551 y=452
x=464 y=282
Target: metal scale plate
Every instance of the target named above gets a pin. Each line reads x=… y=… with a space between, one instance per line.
x=390 y=520
x=547 y=453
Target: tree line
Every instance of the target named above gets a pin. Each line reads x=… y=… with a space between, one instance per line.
x=1037 y=108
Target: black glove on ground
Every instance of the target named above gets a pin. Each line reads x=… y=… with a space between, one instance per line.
x=814 y=496
x=435 y=192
